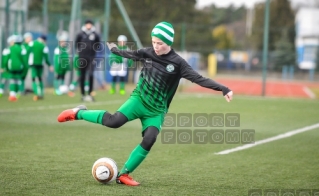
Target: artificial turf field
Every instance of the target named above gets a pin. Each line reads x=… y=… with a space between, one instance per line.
x=39 y=156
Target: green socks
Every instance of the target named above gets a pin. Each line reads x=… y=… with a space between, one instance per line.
x=41 y=89
x=135 y=159
x=35 y=88
x=21 y=87
x=137 y=155
x=94 y=116
x=122 y=85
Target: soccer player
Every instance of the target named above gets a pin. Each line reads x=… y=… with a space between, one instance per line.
x=150 y=101
x=38 y=53
x=61 y=62
x=119 y=66
x=5 y=76
x=27 y=39
x=14 y=63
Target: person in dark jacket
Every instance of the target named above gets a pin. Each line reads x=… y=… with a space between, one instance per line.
x=86 y=44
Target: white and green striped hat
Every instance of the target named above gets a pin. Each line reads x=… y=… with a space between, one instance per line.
x=165 y=32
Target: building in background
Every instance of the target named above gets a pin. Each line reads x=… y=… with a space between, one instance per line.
x=307 y=37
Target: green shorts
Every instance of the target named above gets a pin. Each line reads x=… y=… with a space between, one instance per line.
x=15 y=74
x=5 y=75
x=134 y=108
x=36 y=71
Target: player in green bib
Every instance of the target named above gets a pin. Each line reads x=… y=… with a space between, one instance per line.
x=27 y=39
x=61 y=62
x=119 y=66
x=4 y=75
x=38 y=52
x=15 y=63
x=159 y=78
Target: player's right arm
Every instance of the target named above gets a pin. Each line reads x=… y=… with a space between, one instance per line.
x=130 y=54
x=5 y=59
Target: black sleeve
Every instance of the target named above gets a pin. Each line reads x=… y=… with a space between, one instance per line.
x=190 y=74
x=130 y=54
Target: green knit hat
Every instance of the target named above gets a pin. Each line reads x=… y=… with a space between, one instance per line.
x=165 y=32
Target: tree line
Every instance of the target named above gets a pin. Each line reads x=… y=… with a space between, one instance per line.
x=202 y=30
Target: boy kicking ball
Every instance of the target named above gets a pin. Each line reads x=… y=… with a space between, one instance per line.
x=150 y=101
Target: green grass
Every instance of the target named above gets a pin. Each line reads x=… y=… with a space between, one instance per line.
x=42 y=157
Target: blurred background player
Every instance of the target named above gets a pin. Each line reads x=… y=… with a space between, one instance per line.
x=27 y=39
x=84 y=44
x=5 y=76
x=39 y=52
x=119 y=66
x=61 y=62
x=15 y=61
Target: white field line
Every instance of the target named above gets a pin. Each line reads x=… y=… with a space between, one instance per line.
x=271 y=139
x=65 y=106
x=309 y=92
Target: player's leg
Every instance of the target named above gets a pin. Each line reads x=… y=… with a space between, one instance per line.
x=90 y=92
x=101 y=116
x=5 y=76
x=82 y=80
x=14 y=86
x=122 y=85
x=75 y=82
x=122 y=76
x=113 y=83
x=22 y=85
x=137 y=156
x=56 y=84
x=41 y=85
x=34 y=84
x=23 y=77
x=2 y=82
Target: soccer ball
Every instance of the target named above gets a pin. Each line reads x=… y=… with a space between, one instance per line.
x=63 y=89
x=104 y=170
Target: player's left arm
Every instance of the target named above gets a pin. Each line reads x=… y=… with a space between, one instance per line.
x=190 y=74
x=46 y=58
x=24 y=57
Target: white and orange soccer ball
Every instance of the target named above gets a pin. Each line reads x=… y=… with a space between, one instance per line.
x=104 y=170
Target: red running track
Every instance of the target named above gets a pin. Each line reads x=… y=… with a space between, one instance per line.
x=254 y=88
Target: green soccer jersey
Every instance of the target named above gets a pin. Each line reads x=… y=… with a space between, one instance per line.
x=14 y=58
x=38 y=53
x=61 y=60
x=160 y=77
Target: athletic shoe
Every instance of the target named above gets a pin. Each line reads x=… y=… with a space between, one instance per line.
x=35 y=98
x=70 y=114
x=127 y=180
x=71 y=94
x=12 y=98
x=88 y=98
x=112 y=91
x=122 y=92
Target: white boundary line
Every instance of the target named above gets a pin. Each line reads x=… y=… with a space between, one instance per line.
x=309 y=92
x=59 y=106
x=271 y=139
